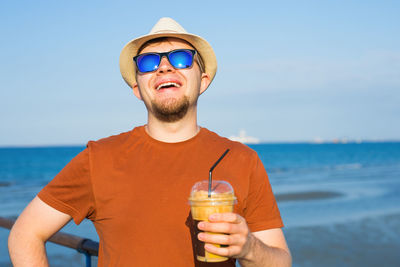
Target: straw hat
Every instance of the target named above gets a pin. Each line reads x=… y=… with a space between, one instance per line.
x=165 y=27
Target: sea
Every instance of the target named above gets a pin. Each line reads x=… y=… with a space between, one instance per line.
x=340 y=203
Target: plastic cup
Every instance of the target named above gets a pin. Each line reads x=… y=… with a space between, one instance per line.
x=222 y=200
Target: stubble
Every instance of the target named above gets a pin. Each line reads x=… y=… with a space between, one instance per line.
x=171 y=111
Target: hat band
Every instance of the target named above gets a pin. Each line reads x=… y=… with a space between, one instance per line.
x=166 y=31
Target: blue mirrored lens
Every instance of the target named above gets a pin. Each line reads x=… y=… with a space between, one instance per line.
x=148 y=62
x=181 y=59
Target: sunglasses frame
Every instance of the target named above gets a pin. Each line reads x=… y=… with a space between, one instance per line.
x=164 y=54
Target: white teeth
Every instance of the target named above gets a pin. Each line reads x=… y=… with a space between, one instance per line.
x=167 y=84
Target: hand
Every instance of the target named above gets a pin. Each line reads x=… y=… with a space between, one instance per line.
x=234 y=232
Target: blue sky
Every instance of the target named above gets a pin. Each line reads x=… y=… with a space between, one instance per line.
x=288 y=70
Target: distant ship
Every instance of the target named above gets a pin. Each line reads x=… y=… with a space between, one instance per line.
x=243 y=138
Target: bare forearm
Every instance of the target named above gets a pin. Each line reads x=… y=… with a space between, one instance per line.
x=266 y=256
x=27 y=251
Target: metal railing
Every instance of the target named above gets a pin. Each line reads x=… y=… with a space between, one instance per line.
x=83 y=245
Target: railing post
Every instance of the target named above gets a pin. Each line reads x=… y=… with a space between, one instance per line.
x=81 y=248
x=88 y=259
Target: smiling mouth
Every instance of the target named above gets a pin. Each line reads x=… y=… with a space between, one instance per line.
x=168 y=85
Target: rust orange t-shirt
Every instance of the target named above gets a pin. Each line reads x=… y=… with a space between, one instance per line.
x=135 y=190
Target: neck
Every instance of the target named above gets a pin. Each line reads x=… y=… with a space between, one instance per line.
x=173 y=132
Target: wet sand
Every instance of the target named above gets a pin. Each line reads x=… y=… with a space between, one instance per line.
x=309 y=195
x=368 y=242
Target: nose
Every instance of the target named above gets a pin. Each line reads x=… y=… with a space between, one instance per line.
x=165 y=66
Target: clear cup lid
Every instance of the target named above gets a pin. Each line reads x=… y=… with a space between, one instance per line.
x=219 y=189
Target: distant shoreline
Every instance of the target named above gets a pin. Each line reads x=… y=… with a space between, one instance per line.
x=326 y=142
x=258 y=144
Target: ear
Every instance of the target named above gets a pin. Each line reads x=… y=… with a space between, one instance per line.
x=136 y=91
x=205 y=82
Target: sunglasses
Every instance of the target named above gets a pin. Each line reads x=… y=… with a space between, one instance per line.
x=179 y=59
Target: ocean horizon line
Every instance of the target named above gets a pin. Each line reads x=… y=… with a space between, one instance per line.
x=310 y=142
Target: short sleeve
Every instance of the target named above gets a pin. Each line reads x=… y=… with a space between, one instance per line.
x=261 y=210
x=71 y=189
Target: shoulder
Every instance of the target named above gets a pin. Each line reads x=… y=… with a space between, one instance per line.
x=116 y=142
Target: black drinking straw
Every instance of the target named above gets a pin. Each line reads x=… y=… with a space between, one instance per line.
x=211 y=169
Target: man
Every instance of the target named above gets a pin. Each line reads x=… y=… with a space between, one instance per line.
x=134 y=186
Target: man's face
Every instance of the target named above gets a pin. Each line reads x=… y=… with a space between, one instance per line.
x=170 y=93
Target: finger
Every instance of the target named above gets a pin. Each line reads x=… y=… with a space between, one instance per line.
x=227 y=228
x=222 y=251
x=222 y=239
x=226 y=217
x=215 y=238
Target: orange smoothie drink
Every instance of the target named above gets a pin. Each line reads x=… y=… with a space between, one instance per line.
x=221 y=200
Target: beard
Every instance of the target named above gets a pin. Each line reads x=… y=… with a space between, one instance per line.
x=171 y=110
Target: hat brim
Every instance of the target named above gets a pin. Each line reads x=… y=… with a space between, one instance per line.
x=128 y=68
